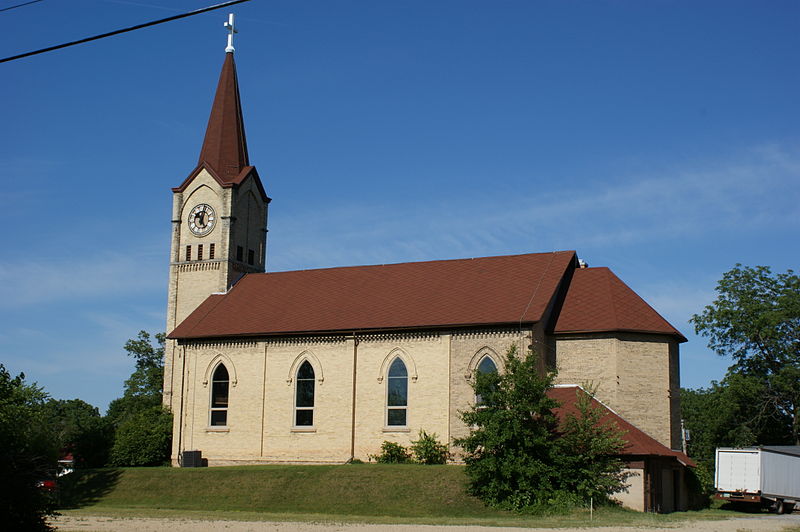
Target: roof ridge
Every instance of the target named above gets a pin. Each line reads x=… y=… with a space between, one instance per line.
x=550 y=253
x=536 y=290
x=643 y=300
x=614 y=313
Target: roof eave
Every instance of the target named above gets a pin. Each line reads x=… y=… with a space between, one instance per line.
x=677 y=335
x=351 y=331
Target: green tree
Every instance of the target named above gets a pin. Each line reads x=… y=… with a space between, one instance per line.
x=520 y=457
x=27 y=455
x=755 y=319
x=78 y=428
x=143 y=389
x=731 y=414
x=143 y=428
x=510 y=450
x=588 y=451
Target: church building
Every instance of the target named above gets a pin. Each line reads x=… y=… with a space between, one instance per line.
x=322 y=366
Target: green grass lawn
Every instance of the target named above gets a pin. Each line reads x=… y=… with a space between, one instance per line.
x=357 y=493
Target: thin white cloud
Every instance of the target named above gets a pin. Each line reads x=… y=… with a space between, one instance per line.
x=747 y=195
x=32 y=282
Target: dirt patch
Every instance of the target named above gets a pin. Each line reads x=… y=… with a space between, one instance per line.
x=128 y=524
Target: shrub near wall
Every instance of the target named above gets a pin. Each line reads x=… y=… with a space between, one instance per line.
x=428 y=450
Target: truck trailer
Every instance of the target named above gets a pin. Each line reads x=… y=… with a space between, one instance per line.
x=768 y=476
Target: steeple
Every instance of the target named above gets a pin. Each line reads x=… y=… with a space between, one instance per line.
x=225 y=147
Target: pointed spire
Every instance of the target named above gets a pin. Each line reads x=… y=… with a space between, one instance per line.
x=225 y=147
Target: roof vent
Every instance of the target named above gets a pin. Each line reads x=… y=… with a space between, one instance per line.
x=582 y=264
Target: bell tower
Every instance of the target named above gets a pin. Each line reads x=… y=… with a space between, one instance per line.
x=219 y=217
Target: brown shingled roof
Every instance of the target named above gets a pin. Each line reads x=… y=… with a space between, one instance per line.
x=637 y=442
x=225 y=145
x=598 y=301
x=224 y=151
x=463 y=292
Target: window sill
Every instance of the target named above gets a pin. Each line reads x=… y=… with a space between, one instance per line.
x=303 y=429
x=218 y=429
x=396 y=429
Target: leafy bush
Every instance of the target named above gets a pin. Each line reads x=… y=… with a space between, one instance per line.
x=428 y=450
x=27 y=455
x=392 y=453
x=700 y=480
x=143 y=439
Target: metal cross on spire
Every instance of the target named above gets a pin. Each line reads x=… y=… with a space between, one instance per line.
x=231 y=30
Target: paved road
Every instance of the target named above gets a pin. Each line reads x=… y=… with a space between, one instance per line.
x=766 y=523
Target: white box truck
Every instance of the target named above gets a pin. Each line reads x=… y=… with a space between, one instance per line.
x=766 y=475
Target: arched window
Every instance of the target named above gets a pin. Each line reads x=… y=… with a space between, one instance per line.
x=486 y=365
x=397 y=394
x=304 y=396
x=219 y=396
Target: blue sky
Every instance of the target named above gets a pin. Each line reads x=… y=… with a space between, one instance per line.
x=660 y=139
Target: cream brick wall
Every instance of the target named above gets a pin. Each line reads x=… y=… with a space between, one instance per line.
x=589 y=360
x=329 y=439
x=632 y=372
x=636 y=375
x=427 y=361
x=261 y=404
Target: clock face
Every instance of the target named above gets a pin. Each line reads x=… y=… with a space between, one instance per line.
x=202 y=219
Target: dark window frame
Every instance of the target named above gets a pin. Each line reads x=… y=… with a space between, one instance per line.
x=397 y=394
x=304 y=395
x=220 y=397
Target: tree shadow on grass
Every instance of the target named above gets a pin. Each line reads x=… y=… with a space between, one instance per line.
x=84 y=487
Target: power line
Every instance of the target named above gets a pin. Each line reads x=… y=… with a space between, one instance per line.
x=125 y=30
x=20 y=5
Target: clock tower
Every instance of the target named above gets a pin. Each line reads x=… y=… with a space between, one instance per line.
x=219 y=219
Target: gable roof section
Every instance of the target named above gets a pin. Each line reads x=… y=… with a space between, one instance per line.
x=463 y=292
x=230 y=183
x=598 y=301
x=637 y=442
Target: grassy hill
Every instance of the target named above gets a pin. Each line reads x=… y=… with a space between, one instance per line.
x=368 y=492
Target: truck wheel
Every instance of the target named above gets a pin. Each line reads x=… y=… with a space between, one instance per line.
x=788 y=507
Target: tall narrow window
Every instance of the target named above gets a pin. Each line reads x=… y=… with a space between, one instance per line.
x=219 y=397
x=188 y=252
x=239 y=253
x=304 y=396
x=397 y=394
x=486 y=365
x=199 y=251
x=211 y=251
x=251 y=256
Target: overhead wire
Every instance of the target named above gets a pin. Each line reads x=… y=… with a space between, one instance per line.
x=9 y=8
x=124 y=30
